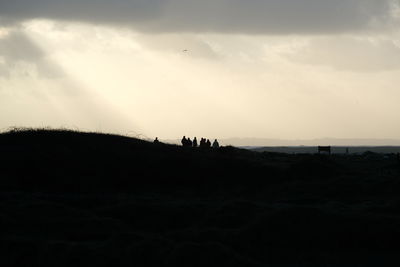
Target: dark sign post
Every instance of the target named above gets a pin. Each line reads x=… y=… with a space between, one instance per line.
x=324 y=149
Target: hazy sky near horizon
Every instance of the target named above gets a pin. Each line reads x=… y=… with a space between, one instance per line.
x=288 y=69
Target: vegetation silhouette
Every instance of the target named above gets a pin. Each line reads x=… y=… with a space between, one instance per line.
x=81 y=199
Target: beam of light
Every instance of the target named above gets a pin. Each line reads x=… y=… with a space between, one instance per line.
x=224 y=85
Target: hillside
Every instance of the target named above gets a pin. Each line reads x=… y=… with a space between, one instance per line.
x=85 y=199
x=72 y=161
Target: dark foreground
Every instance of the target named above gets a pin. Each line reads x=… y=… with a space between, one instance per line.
x=75 y=199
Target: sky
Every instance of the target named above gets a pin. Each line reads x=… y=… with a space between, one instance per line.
x=277 y=69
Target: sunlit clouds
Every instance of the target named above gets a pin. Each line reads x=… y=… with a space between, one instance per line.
x=118 y=79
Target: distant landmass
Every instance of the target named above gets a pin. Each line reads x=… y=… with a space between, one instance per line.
x=270 y=142
x=260 y=142
x=334 y=149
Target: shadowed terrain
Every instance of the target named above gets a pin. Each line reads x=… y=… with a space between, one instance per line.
x=87 y=199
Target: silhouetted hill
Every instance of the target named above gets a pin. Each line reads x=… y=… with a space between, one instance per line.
x=88 y=199
x=73 y=161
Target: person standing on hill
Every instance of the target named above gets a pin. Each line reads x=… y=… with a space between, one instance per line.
x=189 y=142
x=202 y=142
x=184 y=141
x=208 y=143
x=195 y=142
x=215 y=144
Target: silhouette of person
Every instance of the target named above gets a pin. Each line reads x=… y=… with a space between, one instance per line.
x=195 y=142
x=184 y=141
x=202 y=142
x=156 y=141
x=208 y=143
x=189 y=142
x=215 y=144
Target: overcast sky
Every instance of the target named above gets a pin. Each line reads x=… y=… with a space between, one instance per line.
x=289 y=69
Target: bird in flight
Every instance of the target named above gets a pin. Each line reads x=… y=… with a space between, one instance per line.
x=185 y=50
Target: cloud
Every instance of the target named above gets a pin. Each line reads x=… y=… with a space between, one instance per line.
x=184 y=44
x=19 y=53
x=346 y=53
x=222 y=16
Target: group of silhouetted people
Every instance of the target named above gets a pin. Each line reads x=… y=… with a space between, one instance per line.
x=204 y=143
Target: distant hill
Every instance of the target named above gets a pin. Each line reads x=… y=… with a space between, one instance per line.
x=334 y=149
x=260 y=142
x=270 y=142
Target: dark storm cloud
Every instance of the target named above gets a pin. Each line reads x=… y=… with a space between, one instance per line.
x=238 y=16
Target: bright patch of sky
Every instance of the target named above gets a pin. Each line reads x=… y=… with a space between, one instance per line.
x=290 y=83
